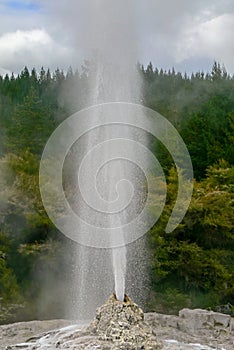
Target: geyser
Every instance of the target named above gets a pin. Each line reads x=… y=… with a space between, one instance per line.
x=96 y=179
x=112 y=78
x=104 y=185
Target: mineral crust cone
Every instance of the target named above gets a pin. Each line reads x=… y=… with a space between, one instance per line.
x=120 y=325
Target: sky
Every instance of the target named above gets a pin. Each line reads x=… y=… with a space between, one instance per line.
x=185 y=34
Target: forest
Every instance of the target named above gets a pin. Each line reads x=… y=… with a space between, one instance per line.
x=191 y=267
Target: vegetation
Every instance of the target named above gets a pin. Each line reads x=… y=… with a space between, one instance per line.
x=192 y=266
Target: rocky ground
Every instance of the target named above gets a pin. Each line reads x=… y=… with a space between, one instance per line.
x=124 y=326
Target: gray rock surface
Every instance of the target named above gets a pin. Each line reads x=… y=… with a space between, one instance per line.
x=211 y=329
x=21 y=331
x=124 y=326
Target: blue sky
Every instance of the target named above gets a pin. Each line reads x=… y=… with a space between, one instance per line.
x=22 y=5
x=185 y=34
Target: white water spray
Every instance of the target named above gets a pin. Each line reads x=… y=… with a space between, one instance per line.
x=114 y=78
x=119 y=268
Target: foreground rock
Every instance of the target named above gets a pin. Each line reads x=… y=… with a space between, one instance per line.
x=201 y=329
x=124 y=326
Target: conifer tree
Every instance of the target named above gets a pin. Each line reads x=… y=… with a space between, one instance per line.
x=30 y=126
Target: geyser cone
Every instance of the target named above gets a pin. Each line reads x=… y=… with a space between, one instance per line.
x=121 y=325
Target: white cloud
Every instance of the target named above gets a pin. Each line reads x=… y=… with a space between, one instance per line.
x=20 y=39
x=34 y=48
x=212 y=39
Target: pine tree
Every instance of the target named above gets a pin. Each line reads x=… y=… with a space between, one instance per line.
x=31 y=125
